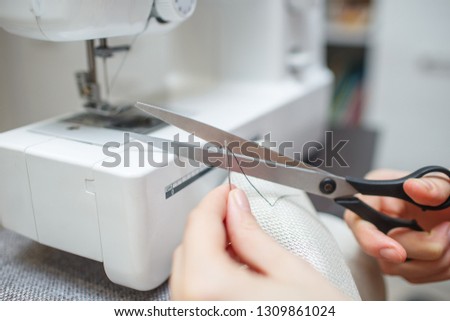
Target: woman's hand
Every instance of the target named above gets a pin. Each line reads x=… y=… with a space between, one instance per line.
x=225 y=255
x=428 y=252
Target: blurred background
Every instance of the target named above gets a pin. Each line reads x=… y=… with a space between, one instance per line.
x=391 y=61
x=391 y=100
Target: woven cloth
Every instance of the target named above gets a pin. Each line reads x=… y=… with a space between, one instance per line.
x=288 y=215
x=31 y=271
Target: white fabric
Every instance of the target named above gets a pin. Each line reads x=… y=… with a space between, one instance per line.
x=292 y=221
x=364 y=268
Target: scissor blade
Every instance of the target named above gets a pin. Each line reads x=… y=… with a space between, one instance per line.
x=308 y=180
x=219 y=137
x=195 y=127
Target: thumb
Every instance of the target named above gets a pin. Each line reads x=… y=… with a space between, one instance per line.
x=428 y=190
x=251 y=244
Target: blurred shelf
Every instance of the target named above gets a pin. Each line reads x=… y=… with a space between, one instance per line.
x=339 y=34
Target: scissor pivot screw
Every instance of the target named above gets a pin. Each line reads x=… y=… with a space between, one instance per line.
x=327 y=186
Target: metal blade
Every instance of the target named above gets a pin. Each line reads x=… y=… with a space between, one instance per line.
x=235 y=144
x=308 y=180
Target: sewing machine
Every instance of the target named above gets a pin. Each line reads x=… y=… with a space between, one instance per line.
x=248 y=66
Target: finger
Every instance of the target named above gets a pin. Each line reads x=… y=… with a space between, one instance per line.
x=429 y=190
x=254 y=247
x=416 y=189
x=417 y=270
x=205 y=235
x=436 y=277
x=176 y=277
x=205 y=263
x=374 y=242
x=424 y=245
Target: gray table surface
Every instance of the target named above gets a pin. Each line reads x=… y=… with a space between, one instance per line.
x=32 y=271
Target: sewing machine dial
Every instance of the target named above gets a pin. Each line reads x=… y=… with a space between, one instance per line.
x=175 y=10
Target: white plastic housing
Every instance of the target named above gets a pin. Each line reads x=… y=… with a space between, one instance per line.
x=67 y=20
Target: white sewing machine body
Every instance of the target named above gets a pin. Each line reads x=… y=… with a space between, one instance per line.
x=264 y=75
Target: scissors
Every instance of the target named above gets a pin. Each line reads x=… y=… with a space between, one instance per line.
x=238 y=154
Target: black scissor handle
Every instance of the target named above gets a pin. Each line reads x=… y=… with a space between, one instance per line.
x=383 y=222
x=394 y=187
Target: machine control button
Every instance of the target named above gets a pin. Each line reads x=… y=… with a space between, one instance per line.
x=175 y=10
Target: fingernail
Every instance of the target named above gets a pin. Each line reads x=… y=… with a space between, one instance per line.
x=390 y=254
x=240 y=200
